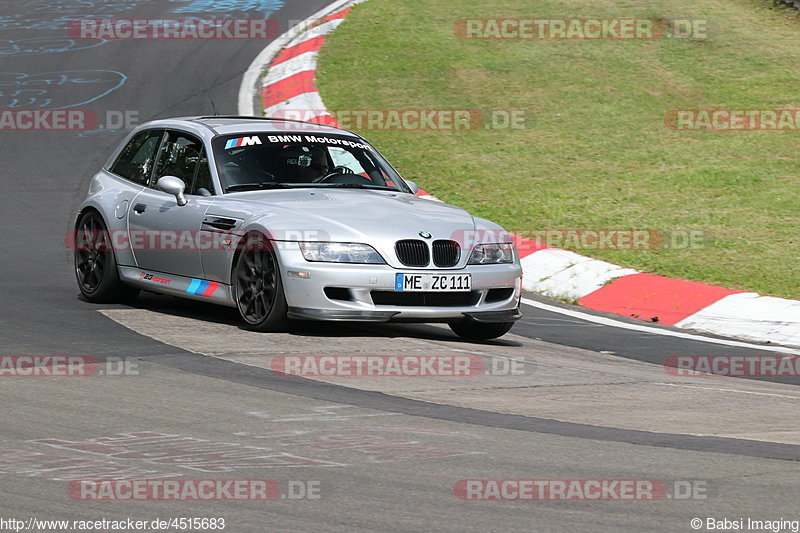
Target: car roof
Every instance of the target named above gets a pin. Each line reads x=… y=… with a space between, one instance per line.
x=226 y=125
x=210 y=126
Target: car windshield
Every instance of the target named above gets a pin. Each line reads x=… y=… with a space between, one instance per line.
x=288 y=160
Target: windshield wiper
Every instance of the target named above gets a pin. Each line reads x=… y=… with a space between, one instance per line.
x=356 y=186
x=257 y=186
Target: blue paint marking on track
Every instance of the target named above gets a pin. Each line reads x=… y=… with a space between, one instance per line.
x=57 y=14
x=222 y=6
x=46 y=45
x=19 y=90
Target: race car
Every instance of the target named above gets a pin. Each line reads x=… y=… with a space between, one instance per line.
x=287 y=220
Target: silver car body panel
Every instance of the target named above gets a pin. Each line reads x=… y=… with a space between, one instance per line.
x=161 y=213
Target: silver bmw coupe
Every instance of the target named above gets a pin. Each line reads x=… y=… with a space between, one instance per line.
x=287 y=220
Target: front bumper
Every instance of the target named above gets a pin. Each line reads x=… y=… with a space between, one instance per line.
x=350 y=292
x=512 y=315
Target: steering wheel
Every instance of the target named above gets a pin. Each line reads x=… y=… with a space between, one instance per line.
x=337 y=171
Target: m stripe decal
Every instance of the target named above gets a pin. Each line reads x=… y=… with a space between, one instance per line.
x=202 y=288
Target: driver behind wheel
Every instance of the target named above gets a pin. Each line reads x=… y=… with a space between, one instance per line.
x=306 y=163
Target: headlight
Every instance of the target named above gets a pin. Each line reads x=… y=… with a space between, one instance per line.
x=340 y=252
x=492 y=254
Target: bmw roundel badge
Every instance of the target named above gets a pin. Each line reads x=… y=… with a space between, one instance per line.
x=424 y=234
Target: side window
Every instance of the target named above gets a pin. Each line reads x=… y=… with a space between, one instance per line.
x=136 y=160
x=203 y=186
x=182 y=155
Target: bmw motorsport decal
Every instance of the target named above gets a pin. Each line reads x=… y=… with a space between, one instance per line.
x=242 y=141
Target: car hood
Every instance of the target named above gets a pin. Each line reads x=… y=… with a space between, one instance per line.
x=351 y=215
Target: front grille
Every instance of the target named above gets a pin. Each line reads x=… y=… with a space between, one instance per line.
x=420 y=299
x=412 y=253
x=446 y=253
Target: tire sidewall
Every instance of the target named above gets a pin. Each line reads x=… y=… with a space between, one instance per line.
x=110 y=284
x=276 y=319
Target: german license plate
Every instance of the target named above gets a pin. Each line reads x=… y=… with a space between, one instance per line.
x=433 y=282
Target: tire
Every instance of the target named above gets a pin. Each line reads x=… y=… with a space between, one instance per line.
x=258 y=289
x=470 y=329
x=95 y=263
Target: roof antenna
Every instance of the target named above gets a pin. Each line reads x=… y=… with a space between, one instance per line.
x=205 y=90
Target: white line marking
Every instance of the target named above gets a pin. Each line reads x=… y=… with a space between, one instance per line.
x=323 y=414
x=730 y=390
x=653 y=331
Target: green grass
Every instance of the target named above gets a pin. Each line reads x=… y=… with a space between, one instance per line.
x=598 y=154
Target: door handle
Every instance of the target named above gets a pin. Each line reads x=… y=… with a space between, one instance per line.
x=139 y=208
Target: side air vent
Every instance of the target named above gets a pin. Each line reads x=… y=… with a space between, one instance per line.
x=219 y=223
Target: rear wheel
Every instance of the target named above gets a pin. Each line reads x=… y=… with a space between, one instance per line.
x=470 y=329
x=258 y=289
x=95 y=264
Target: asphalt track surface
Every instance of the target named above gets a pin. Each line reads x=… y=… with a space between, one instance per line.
x=384 y=459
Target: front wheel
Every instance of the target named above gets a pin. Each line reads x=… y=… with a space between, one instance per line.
x=258 y=289
x=470 y=329
x=95 y=264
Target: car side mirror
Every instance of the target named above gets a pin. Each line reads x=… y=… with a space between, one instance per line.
x=174 y=186
x=413 y=186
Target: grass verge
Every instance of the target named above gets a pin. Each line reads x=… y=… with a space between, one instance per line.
x=598 y=154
